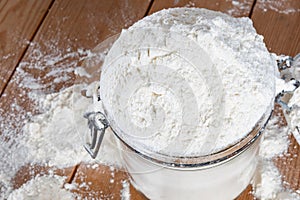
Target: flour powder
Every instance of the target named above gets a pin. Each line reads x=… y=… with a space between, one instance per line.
x=187 y=81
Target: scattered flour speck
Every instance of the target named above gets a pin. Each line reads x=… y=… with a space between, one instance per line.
x=125 y=192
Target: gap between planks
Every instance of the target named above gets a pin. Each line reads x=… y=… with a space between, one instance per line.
x=252 y=8
x=26 y=48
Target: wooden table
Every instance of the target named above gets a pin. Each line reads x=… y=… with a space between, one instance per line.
x=69 y=25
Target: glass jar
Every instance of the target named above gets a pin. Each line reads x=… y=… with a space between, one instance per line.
x=220 y=175
x=223 y=175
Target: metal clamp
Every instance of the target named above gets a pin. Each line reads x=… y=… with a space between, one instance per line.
x=97 y=124
x=288 y=67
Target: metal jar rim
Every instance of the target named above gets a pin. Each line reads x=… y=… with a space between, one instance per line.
x=206 y=161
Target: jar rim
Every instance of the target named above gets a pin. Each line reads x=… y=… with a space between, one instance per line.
x=203 y=161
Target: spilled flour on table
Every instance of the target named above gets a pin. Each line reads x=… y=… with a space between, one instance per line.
x=240 y=8
x=267 y=182
x=50 y=132
x=53 y=140
x=125 y=192
x=293 y=117
x=52 y=135
x=42 y=187
x=55 y=137
x=64 y=117
x=282 y=6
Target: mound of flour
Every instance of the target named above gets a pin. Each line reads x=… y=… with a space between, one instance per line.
x=187 y=81
x=42 y=187
x=54 y=138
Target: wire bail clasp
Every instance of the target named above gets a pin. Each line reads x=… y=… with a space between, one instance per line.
x=287 y=67
x=97 y=124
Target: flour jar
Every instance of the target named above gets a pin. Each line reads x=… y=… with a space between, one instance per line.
x=187 y=93
x=223 y=175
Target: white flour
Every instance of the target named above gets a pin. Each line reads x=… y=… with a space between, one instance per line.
x=56 y=137
x=275 y=140
x=187 y=81
x=53 y=138
x=294 y=116
x=125 y=192
x=42 y=188
x=282 y=6
x=267 y=182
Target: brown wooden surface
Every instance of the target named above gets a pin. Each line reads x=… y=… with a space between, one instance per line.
x=19 y=20
x=68 y=26
x=242 y=9
x=103 y=183
x=73 y=24
x=281 y=31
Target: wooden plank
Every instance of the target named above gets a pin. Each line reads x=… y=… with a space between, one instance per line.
x=103 y=183
x=278 y=22
x=235 y=8
x=28 y=172
x=70 y=28
x=70 y=34
x=19 y=21
x=279 y=27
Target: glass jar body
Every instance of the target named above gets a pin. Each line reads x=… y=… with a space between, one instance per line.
x=222 y=181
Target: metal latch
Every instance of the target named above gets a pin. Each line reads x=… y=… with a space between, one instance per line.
x=97 y=124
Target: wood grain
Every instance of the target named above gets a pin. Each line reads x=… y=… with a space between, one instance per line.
x=280 y=29
x=240 y=8
x=70 y=27
x=19 y=21
x=28 y=172
x=103 y=182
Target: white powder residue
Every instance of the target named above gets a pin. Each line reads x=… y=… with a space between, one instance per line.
x=267 y=182
x=187 y=81
x=188 y=5
x=55 y=137
x=276 y=139
x=42 y=63
x=293 y=117
x=240 y=8
x=82 y=72
x=282 y=6
x=125 y=192
x=42 y=187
